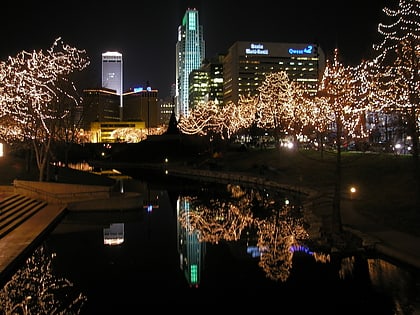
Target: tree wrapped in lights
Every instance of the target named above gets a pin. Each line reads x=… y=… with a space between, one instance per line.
x=130 y=135
x=211 y=118
x=277 y=107
x=343 y=99
x=35 y=92
x=201 y=120
x=397 y=66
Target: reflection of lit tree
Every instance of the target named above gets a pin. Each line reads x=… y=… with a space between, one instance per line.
x=276 y=236
x=219 y=221
x=34 y=289
x=279 y=234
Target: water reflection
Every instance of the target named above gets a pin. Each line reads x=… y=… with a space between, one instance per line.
x=274 y=235
x=114 y=234
x=36 y=289
x=234 y=238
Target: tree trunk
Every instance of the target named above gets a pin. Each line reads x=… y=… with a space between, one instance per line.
x=336 y=211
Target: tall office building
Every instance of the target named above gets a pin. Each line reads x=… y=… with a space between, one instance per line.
x=247 y=63
x=190 y=52
x=112 y=74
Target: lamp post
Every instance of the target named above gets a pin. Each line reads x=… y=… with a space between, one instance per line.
x=148 y=89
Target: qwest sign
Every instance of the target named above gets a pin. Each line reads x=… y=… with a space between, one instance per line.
x=259 y=49
x=305 y=51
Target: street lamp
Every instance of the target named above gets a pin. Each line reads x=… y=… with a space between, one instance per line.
x=352 y=191
x=148 y=88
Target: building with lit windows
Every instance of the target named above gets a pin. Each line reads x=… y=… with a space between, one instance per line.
x=142 y=104
x=117 y=131
x=112 y=74
x=206 y=83
x=190 y=52
x=166 y=110
x=101 y=114
x=99 y=105
x=199 y=87
x=247 y=63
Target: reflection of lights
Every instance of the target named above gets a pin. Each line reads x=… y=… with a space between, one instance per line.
x=277 y=234
x=301 y=248
x=254 y=251
x=37 y=290
x=114 y=235
x=151 y=204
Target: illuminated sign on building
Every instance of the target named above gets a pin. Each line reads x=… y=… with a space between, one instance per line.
x=307 y=50
x=256 y=49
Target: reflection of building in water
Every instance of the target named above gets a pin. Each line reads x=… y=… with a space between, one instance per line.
x=151 y=203
x=114 y=235
x=191 y=250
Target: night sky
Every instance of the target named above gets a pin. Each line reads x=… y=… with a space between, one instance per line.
x=146 y=32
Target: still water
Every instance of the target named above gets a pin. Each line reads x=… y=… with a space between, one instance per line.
x=221 y=246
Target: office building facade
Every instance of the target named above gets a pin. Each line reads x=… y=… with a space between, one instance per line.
x=99 y=105
x=142 y=104
x=112 y=74
x=101 y=113
x=190 y=52
x=206 y=83
x=247 y=63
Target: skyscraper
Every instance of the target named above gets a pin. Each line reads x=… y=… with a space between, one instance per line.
x=190 y=52
x=112 y=74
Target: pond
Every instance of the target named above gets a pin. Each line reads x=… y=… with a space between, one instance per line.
x=202 y=244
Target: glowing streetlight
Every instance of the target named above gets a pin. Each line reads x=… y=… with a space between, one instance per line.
x=352 y=191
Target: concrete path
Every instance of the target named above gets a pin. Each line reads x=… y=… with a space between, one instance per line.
x=397 y=245
x=15 y=246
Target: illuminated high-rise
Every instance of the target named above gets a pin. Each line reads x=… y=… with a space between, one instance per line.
x=112 y=74
x=190 y=52
x=246 y=64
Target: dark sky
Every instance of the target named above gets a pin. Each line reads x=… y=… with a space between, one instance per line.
x=145 y=32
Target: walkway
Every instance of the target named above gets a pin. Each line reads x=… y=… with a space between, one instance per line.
x=16 y=245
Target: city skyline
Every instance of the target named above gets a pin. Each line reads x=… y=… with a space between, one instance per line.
x=146 y=32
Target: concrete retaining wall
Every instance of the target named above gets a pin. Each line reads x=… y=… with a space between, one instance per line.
x=60 y=193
